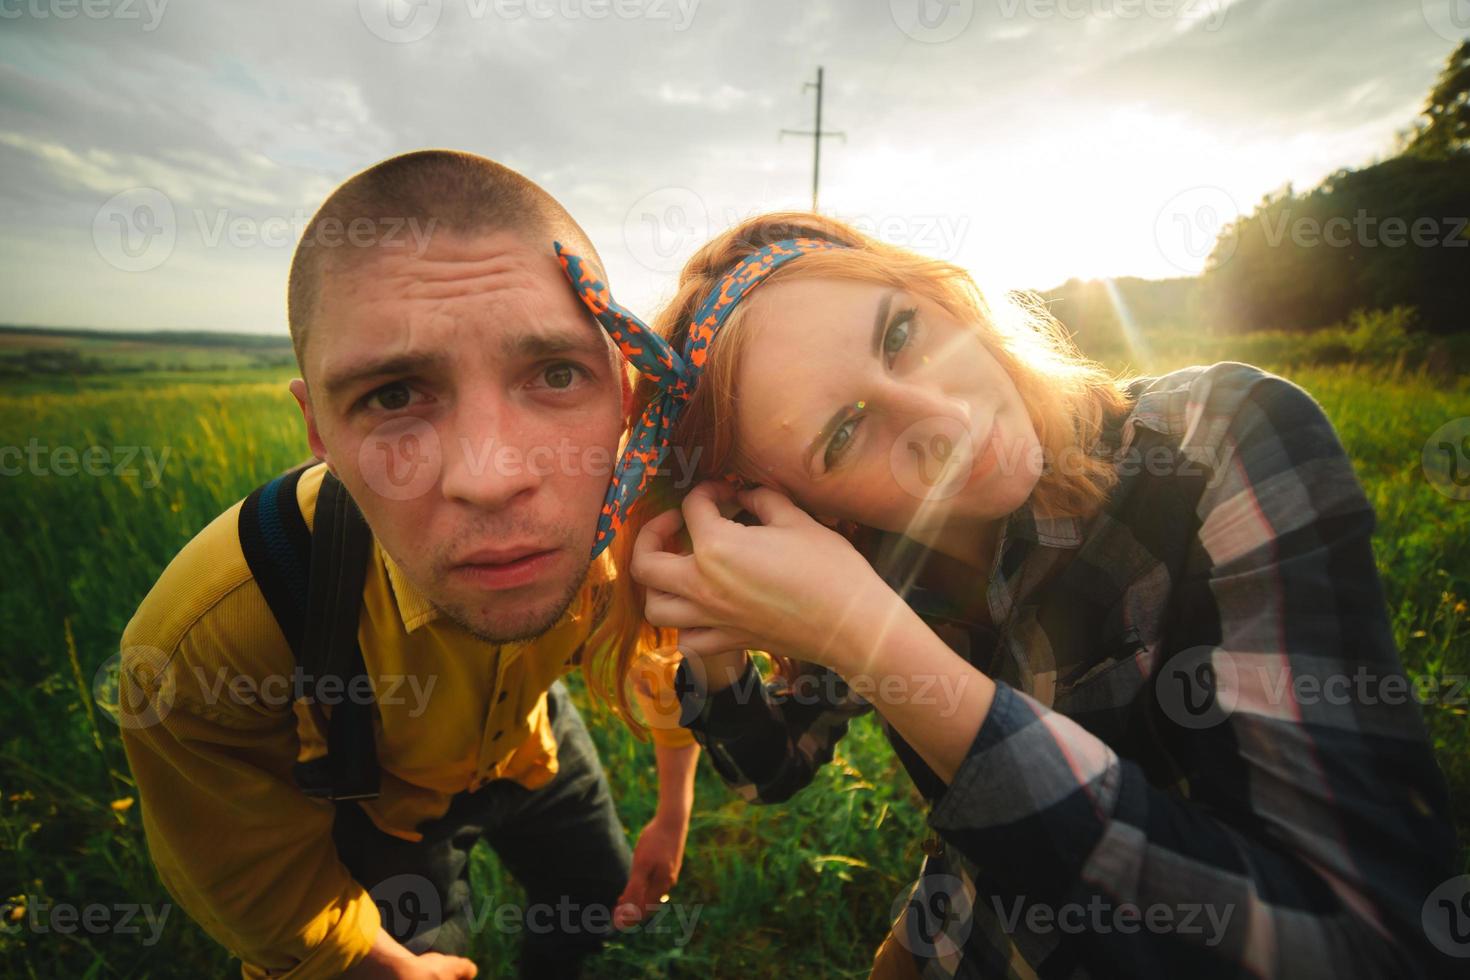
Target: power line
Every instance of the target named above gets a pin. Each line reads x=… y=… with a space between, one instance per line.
x=816 y=135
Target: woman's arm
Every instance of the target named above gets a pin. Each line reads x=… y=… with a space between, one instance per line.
x=1313 y=831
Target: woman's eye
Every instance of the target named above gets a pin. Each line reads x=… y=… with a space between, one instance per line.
x=838 y=443
x=391 y=397
x=897 y=337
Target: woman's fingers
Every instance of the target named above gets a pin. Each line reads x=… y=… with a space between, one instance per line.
x=669 y=611
x=708 y=641
x=653 y=565
x=772 y=507
x=658 y=534
x=702 y=508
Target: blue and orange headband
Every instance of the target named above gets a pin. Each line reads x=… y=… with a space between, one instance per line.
x=675 y=374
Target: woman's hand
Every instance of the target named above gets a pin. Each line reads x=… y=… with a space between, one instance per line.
x=787 y=586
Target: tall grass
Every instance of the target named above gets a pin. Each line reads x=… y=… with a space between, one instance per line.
x=804 y=889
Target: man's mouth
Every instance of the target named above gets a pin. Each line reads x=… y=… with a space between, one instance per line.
x=504 y=568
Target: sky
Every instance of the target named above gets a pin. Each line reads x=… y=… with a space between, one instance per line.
x=161 y=158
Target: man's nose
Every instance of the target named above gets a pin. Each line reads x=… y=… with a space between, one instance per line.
x=488 y=464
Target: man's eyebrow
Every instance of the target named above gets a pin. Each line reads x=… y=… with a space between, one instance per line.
x=354 y=374
x=531 y=345
x=842 y=414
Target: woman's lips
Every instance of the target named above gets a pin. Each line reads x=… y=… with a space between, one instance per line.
x=507 y=575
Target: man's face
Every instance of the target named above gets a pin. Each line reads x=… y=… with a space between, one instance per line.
x=472 y=408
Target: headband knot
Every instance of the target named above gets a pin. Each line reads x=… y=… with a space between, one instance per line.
x=675 y=373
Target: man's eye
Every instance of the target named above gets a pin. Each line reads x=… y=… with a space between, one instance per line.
x=562 y=376
x=838 y=443
x=391 y=397
x=897 y=337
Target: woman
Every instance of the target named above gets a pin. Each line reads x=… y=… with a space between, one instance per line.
x=1123 y=584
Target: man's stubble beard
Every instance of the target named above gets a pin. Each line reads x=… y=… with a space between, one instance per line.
x=514 y=632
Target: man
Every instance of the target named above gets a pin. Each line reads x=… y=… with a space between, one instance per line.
x=457 y=389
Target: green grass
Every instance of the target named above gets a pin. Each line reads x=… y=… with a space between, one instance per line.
x=812 y=881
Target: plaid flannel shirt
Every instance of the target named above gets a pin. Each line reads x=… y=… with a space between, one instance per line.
x=1196 y=763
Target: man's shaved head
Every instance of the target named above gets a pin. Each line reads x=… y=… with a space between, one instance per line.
x=395 y=205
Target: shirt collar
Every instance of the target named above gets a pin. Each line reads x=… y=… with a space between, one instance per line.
x=414 y=608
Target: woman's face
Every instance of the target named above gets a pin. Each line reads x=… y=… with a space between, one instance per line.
x=868 y=403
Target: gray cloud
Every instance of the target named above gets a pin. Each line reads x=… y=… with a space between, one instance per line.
x=654 y=129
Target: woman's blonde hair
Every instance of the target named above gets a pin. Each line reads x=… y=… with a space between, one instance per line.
x=1067 y=395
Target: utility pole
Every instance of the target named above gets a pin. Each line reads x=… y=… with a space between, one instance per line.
x=816 y=135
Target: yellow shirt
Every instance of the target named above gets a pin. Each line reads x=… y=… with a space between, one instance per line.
x=211 y=732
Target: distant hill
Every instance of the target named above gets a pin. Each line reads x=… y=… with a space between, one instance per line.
x=31 y=351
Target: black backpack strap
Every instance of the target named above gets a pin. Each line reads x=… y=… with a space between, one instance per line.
x=341 y=544
x=313 y=585
x=277 y=547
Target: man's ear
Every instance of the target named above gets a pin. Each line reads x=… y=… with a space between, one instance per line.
x=313 y=437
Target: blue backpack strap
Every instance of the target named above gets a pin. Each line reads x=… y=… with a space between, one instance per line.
x=340 y=548
x=277 y=547
x=318 y=614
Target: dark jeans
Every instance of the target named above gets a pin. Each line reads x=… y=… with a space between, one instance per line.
x=563 y=842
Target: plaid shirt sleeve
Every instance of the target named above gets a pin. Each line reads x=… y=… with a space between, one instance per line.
x=767 y=739
x=1309 y=830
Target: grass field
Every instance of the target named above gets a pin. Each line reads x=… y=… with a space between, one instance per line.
x=813 y=879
